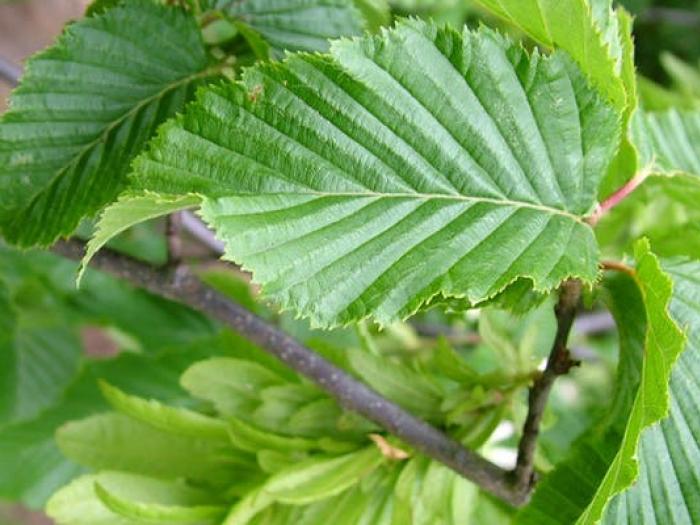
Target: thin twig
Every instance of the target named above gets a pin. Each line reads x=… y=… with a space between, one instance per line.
x=558 y=363
x=180 y=284
x=617 y=266
x=620 y=195
x=173 y=228
x=197 y=229
x=9 y=72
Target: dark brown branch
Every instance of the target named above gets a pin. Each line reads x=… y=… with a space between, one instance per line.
x=179 y=284
x=173 y=227
x=558 y=363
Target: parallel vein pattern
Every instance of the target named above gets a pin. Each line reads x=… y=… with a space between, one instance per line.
x=297 y=25
x=671 y=140
x=84 y=108
x=668 y=487
x=397 y=168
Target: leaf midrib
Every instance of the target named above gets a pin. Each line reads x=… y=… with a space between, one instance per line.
x=425 y=196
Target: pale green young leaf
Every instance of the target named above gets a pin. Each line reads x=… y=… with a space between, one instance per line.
x=128 y=211
x=173 y=420
x=114 y=441
x=231 y=385
x=414 y=391
x=78 y=503
x=667 y=489
x=158 y=513
x=420 y=163
x=247 y=437
x=85 y=107
x=308 y=481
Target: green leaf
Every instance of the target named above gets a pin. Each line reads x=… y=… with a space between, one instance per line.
x=85 y=108
x=395 y=169
x=309 y=481
x=604 y=463
x=129 y=499
x=39 y=354
x=116 y=442
x=667 y=489
x=297 y=25
x=33 y=466
x=664 y=342
x=232 y=385
x=174 y=420
x=156 y=513
x=127 y=212
x=599 y=38
x=668 y=141
x=591 y=31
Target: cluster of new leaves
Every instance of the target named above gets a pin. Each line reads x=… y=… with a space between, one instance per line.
x=364 y=178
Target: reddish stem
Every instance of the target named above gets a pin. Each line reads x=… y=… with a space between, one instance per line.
x=620 y=195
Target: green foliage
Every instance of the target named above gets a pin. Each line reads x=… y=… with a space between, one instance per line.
x=380 y=153
x=303 y=25
x=440 y=182
x=85 y=107
x=668 y=484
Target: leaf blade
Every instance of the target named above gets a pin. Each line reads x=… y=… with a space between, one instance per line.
x=364 y=159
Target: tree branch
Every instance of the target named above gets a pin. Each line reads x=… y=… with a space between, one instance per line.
x=194 y=226
x=9 y=72
x=558 y=363
x=180 y=284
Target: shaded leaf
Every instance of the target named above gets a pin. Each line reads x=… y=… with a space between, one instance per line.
x=667 y=489
x=84 y=108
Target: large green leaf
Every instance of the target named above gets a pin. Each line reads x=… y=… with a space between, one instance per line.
x=397 y=168
x=85 y=107
x=667 y=489
x=297 y=25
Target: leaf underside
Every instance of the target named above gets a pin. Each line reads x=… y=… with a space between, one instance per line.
x=84 y=108
x=667 y=489
x=605 y=466
x=669 y=140
x=397 y=168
